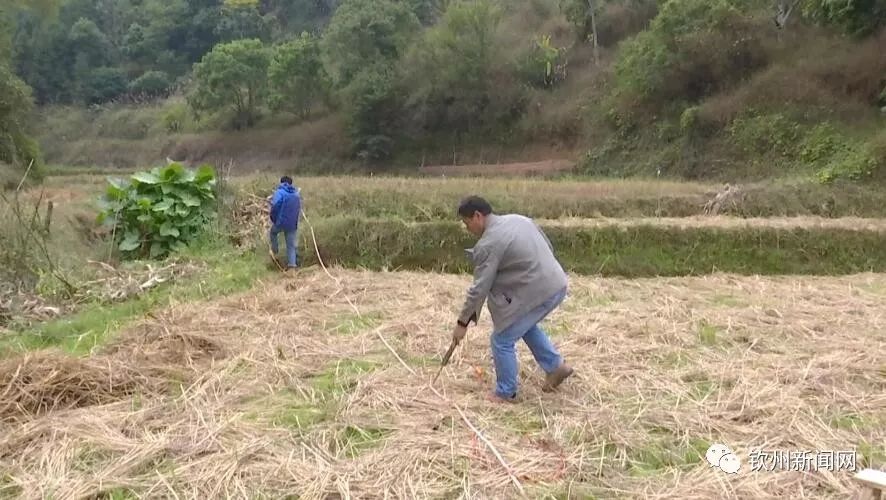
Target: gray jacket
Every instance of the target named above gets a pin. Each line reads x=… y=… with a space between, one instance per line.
x=514 y=268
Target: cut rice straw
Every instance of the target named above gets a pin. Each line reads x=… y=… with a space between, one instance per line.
x=288 y=390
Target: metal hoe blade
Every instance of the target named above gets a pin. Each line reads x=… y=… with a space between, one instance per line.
x=445 y=359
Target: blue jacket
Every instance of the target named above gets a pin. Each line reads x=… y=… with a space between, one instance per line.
x=286 y=207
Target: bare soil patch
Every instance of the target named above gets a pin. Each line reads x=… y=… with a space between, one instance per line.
x=318 y=386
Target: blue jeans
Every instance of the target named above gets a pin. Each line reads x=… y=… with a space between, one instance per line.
x=291 y=251
x=526 y=327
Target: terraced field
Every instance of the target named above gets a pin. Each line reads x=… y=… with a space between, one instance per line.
x=762 y=334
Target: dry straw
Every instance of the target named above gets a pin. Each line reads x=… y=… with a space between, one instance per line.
x=287 y=390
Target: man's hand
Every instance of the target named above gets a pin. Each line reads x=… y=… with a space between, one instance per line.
x=459 y=333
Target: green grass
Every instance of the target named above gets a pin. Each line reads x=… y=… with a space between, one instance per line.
x=351 y=324
x=90 y=458
x=674 y=359
x=8 y=488
x=354 y=439
x=423 y=361
x=227 y=273
x=628 y=251
x=525 y=423
x=871 y=456
x=707 y=333
x=288 y=409
x=558 y=328
x=850 y=421
x=666 y=453
x=571 y=492
x=726 y=300
x=121 y=494
x=703 y=389
x=341 y=376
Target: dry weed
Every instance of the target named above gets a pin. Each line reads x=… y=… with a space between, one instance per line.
x=322 y=392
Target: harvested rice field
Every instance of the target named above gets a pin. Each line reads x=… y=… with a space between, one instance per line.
x=316 y=385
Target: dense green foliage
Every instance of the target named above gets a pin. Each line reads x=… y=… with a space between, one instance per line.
x=647 y=86
x=17 y=148
x=15 y=103
x=363 y=64
x=855 y=17
x=232 y=76
x=297 y=77
x=159 y=211
x=459 y=72
x=710 y=82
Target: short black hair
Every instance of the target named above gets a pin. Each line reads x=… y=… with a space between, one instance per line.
x=472 y=204
x=285 y=180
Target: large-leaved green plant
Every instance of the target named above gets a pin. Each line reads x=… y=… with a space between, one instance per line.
x=159 y=211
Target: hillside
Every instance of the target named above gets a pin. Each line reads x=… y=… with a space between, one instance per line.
x=678 y=88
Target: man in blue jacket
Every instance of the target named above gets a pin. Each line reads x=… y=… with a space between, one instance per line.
x=285 y=209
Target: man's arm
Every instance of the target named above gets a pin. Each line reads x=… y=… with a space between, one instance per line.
x=274 y=202
x=275 y=209
x=543 y=235
x=485 y=268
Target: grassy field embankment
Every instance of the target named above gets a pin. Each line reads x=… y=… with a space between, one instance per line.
x=234 y=380
x=627 y=228
x=615 y=227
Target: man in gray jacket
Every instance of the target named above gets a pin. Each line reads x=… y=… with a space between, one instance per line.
x=517 y=274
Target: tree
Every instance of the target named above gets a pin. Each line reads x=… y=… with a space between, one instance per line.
x=233 y=75
x=362 y=47
x=104 y=84
x=457 y=70
x=242 y=21
x=45 y=9
x=855 y=17
x=16 y=147
x=296 y=75
x=605 y=22
x=691 y=49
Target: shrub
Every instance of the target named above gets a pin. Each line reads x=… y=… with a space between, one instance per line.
x=16 y=147
x=362 y=48
x=856 y=18
x=692 y=49
x=104 y=84
x=175 y=118
x=151 y=84
x=25 y=243
x=296 y=76
x=760 y=134
x=543 y=66
x=689 y=121
x=616 y=19
x=159 y=211
x=836 y=155
x=460 y=80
